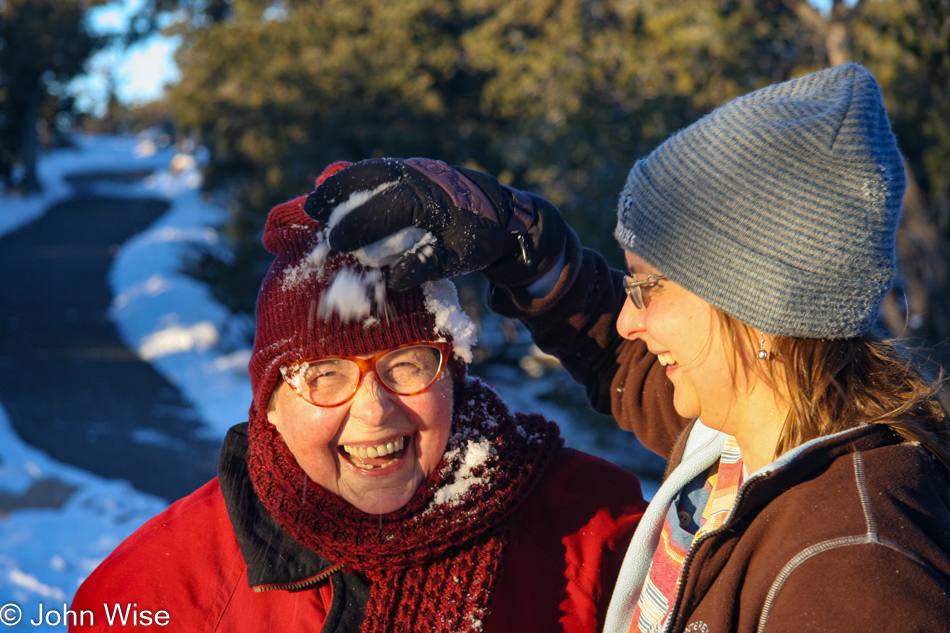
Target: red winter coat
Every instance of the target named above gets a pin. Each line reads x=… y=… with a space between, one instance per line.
x=184 y=569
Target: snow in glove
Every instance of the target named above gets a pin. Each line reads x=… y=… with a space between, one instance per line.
x=459 y=221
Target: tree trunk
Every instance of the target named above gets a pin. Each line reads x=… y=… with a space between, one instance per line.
x=923 y=256
x=31 y=143
x=837 y=42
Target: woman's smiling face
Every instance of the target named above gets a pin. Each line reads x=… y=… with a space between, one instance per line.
x=684 y=332
x=375 y=450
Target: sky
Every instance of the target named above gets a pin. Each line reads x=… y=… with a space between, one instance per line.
x=140 y=72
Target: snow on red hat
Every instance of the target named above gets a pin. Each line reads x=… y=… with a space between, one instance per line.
x=315 y=301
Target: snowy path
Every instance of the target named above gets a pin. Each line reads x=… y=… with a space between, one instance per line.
x=69 y=384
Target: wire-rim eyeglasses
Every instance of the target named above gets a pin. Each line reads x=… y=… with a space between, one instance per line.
x=633 y=287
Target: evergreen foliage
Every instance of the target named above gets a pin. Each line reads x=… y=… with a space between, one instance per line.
x=43 y=44
x=554 y=96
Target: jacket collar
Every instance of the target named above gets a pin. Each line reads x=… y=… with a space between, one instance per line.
x=808 y=460
x=274 y=559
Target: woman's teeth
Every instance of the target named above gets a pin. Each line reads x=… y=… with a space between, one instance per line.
x=359 y=453
x=666 y=359
x=375 y=451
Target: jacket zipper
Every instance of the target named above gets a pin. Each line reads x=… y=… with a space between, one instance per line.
x=303 y=584
x=692 y=550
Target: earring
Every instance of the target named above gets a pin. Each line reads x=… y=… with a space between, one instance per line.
x=763 y=353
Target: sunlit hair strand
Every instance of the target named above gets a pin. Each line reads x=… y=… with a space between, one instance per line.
x=835 y=385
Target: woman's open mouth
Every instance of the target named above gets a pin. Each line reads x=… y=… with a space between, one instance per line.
x=374 y=457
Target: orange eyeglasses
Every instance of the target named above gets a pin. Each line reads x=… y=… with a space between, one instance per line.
x=405 y=370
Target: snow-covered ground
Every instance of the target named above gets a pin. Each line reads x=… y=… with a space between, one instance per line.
x=45 y=553
x=174 y=323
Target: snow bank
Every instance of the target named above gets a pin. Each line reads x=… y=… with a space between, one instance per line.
x=92 y=153
x=45 y=553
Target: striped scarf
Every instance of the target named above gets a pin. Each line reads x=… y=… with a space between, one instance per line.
x=660 y=587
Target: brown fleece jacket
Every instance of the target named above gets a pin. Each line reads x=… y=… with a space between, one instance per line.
x=851 y=534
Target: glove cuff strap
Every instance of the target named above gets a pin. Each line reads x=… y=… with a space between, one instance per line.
x=522 y=216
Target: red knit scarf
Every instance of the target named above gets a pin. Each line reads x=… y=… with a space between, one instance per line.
x=433 y=563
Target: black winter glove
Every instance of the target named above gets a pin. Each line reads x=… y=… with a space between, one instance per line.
x=511 y=236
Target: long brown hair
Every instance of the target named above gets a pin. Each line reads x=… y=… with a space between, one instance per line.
x=834 y=385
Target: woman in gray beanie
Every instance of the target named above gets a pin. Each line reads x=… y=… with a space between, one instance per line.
x=807 y=485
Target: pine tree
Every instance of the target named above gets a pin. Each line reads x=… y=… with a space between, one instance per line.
x=556 y=96
x=43 y=44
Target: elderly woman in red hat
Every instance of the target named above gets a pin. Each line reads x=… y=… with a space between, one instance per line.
x=376 y=486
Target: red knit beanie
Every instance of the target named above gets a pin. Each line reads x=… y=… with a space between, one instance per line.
x=315 y=301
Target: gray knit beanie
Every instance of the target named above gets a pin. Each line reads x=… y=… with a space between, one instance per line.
x=779 y=208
